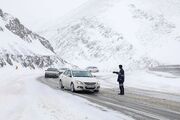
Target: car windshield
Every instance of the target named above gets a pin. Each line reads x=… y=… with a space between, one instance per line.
x=81 y=74
x=52 y=69
x=63 y=68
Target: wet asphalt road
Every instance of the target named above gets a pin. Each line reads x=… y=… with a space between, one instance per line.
x=139 y=104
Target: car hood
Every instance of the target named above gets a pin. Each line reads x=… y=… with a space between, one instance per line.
x=86 y=79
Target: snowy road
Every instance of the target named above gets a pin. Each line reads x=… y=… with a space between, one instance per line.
x=22 y=97
x=137 y=103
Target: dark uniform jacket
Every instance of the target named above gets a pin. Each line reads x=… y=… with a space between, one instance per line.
x=120 y=76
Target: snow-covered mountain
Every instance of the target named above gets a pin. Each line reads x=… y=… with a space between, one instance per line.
x=21 y=46
x=105 y=33
x=87 y=41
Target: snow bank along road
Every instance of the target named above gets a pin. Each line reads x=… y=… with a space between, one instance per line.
x=137 y=103
x=22 y=97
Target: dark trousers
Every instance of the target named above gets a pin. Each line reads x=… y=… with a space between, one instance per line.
x=121 y=87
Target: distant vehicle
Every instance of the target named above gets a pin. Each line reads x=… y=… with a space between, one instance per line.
x=92 y=69
x=79 y=80
x=61 y=70
x=52 y=72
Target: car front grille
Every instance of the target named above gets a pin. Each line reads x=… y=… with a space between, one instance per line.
x=89 y=83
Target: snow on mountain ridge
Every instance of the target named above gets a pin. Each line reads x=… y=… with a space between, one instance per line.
x=14 y=25
x=18 y=29
x=159 y=22
x=20 y=46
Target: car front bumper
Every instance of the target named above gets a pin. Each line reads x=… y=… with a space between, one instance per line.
x=87 y=87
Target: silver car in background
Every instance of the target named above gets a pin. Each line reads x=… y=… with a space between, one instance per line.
x=52 y=73
x=92 y=69
x=79 y=80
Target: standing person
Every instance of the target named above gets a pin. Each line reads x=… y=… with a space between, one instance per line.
x=120 y=79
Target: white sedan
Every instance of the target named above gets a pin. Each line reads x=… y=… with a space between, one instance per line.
x=78 y=80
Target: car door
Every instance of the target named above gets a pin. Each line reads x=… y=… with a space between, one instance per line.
x=63 y=78
x=68 y=79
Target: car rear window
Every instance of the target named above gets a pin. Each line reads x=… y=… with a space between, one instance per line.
x=52 y=69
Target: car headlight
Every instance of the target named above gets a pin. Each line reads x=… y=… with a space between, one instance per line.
x=79 y=82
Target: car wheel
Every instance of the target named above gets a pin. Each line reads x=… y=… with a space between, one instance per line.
x=72 y=87
x=61 y=85
x=46 y=76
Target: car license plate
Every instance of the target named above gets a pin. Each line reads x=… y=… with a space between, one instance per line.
x=90 y=86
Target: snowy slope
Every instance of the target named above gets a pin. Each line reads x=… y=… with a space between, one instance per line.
x=12 y=28
x=11 y=43
x=149 y=26
x=106 y=33
x=91 y=42
x=19 y=45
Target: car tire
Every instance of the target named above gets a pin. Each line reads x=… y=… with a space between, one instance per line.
x=46 y=76
x=72 y=87
x=61 y=85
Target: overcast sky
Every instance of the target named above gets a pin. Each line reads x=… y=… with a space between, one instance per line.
x=33 y=13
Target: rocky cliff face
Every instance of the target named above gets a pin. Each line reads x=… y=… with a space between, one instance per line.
x=20 y=46
x=30 y=61
x=14 y=25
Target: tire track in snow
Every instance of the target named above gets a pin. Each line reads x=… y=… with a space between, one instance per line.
x=139 y=104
